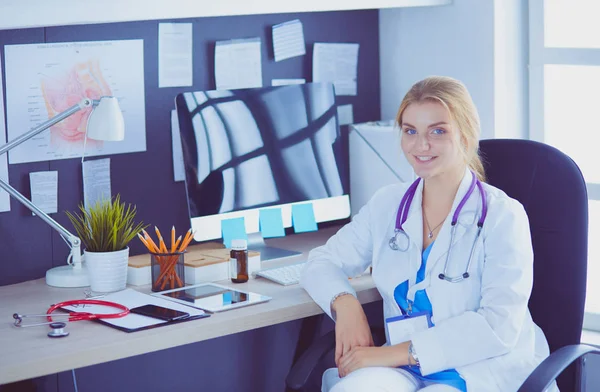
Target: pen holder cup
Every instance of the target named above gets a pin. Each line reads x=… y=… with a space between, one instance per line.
x=168 y=271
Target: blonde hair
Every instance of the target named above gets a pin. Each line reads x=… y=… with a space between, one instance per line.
x=455 y=97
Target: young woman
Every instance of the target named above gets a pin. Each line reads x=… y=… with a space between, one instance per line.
x=452 y=259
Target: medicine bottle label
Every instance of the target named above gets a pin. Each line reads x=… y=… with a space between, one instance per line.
x=233 y=268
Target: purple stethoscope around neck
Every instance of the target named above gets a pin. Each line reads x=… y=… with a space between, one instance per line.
x=402 y=215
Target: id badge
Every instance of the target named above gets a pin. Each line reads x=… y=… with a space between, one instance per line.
x=401 y=328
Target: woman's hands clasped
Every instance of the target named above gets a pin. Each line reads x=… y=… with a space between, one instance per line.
x=351 y=327
x=354 y=348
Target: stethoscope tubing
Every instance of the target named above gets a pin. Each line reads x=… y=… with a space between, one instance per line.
x=73 y=316
x=402 y=215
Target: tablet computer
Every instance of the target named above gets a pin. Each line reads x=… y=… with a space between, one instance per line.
x=212 y=297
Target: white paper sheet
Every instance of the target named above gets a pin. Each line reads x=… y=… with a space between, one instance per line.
x=43 y=80
x=175 y=54
x=345 y=114
x=44 y=190
x=96 y=181
x=288 y=40
x=336 y=63
x=132 y=299
x=238 y=64
x=4 y=196
x=286 y=82
x=178 y=168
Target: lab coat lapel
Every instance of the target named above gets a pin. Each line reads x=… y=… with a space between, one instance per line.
x=466 y=221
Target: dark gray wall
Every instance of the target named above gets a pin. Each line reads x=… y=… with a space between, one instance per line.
x=251 y=361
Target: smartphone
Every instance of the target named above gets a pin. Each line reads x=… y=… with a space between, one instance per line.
x=159 y=312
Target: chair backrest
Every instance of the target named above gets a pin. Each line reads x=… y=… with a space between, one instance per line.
x=552 y=189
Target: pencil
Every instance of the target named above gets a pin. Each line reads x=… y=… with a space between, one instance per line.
x=172 y=239
x=150 y=241
x=186 y=243
x=153 y=247
x=174 y=249
x=144 y=242
x=188 y=234
x=162 y=247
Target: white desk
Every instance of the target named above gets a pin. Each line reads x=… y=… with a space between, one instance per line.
x=28 y=352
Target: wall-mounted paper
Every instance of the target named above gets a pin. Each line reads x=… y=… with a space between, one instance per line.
x=345 y=114
x=178 y=168
x=233 y=229
x=44 y=190
x=271 y=223
x=303 y=218
x=175 y=54
x=336 y=63
x=4 y=196
x=43 y=80
x=238 y=64
x=287 y=82
x=96 y=181
x=288 y=40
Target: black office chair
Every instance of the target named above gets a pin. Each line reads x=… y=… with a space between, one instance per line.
x=552 y=190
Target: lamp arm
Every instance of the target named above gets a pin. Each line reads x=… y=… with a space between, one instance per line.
x=85 y=103
x=74 y=241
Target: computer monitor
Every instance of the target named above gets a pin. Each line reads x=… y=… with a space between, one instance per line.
x=249 y=149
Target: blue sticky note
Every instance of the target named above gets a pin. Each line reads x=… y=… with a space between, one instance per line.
x=227 y=298
x=271 y=223
x=303 y=218
x=233 y=229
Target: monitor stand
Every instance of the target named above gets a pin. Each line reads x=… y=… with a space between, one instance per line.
x=256 y=242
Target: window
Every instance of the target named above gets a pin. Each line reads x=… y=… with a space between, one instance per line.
x=564 y=55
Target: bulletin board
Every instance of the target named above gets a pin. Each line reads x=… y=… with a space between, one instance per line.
x=29 y=247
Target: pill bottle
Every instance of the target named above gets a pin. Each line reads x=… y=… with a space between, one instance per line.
x=238 y=261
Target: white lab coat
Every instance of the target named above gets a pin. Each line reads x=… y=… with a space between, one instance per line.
x=483 y=327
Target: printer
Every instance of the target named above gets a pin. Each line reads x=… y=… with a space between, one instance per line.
x=376 y=160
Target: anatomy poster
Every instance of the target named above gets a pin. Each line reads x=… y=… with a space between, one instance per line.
x=43 y=80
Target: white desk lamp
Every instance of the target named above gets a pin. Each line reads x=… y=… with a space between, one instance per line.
x=104 y=123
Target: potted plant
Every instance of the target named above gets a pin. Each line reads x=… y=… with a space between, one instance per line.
x=105 y=231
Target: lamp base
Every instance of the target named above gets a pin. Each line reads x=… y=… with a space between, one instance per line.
x=68 y=276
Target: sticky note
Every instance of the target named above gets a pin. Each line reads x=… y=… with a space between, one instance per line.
x=227 y=298
x=271 y=223
x=233 y=229
x=303 y=218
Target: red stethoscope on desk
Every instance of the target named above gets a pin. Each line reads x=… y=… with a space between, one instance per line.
x=58 y=327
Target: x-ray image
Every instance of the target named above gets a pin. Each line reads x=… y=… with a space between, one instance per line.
x=252 y=148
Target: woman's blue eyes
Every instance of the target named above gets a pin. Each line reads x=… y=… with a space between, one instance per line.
x=437 y=131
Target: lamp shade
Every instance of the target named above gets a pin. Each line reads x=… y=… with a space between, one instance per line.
x=106 y=121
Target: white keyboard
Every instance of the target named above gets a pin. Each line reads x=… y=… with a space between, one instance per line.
x=285 y=275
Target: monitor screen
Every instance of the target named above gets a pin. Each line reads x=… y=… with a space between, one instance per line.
x=249 y=149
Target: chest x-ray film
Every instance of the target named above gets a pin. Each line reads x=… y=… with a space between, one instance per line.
x=249 y=149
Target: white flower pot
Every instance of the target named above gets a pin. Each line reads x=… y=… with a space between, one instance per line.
x=107 y=270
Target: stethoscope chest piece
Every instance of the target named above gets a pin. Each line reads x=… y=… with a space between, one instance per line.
x=58 y=330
